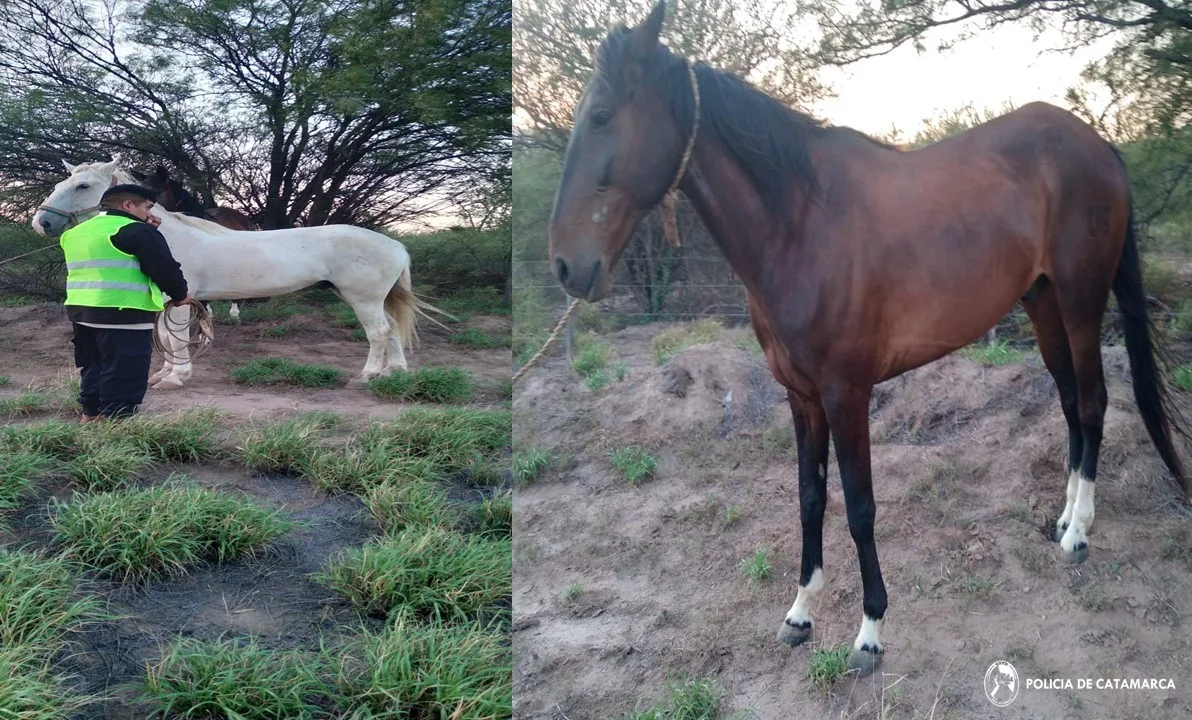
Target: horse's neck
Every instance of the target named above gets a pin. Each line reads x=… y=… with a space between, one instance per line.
x=732 y=210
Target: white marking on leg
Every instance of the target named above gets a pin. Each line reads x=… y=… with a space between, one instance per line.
x=870 y=635
x=1082 y=518
x=800 y=613
x=1066 y=517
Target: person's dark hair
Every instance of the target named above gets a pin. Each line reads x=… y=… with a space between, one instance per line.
x=113 y=196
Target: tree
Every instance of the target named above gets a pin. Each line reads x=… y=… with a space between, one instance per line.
x=305 y=111
x=554 y=46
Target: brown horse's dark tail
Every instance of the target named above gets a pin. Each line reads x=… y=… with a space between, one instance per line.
x=1149 y=390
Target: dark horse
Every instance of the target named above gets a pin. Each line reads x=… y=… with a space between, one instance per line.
x=175 y=198
x=862 y=262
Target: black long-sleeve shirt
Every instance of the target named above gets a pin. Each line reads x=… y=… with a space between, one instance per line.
x=143 y=241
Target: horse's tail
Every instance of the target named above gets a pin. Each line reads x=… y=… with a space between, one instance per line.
x=1150 y=393
x=403 y=308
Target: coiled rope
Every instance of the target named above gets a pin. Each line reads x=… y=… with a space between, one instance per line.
x=199 y=332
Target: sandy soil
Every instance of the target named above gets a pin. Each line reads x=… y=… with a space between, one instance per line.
x=35 y=349
x=617 y=589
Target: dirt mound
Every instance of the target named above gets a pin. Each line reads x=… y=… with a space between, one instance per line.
x=619 y=588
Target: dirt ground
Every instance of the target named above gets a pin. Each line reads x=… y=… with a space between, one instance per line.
x=618 y=588
x=271 y=596
x=35 y=348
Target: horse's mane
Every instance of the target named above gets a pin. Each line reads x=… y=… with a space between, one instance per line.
x=768 y=139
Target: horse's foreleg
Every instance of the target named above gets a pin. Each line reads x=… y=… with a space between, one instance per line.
x=178 y=342
x=848 y=415
x=811 y=439
x=166 y=365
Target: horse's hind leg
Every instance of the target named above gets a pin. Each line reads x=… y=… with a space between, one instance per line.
x=811 y=439
x=1082 y=302
x=1044 y=312
x=371 y=314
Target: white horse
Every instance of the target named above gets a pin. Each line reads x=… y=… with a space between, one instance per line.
x=369 y=271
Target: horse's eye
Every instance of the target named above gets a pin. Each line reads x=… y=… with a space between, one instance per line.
x=601 y=117
x=84 y=186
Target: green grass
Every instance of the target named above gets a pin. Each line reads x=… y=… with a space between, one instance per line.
x=18 y=471
x=162 y=531
x=277 y=331
x=996 y=353
x=107 y=466
x=3 y=380
x=495 y=516
x=39 y=602
x=591 y=356
x=596 y=380
x=430 y=571
x=436 y=385
x=634 y=463
x=400 y=505
x=427 y=670
x=282 y=447
x=689 y=699
x=476 y=338
x=30 y=691
x=279 y=371
x=454 y=439
x=231 y=678
x=672 y=341
x=188 y=436
x=56 y=438
x=473 y=301
x=27 y=403
x=354 y=468
x=282 y=307
x=358 y=335
x=827 y=665
x=528 y=465
x=756 y=567
x=342 y=315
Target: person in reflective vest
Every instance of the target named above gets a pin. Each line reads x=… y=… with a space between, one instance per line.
x=118 y=270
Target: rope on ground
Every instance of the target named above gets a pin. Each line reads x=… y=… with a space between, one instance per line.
x=200 y=332
x=549 y=341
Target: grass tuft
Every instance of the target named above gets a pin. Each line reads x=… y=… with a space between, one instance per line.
x=634 y=463
x=230 y=678
x=400 y=505
x=528 y=465
x=430 y=571
x=107 y=466
x=495 y=516
x=436 y=385
x=756 y=568
x=38 y=601
x=279 y=371
x=420 y=670
x=828 y=665
x=18 y=471
x=287 y=446
x=673 y=340
x=186 y=437
x=690 y=699
x=472 y=337
x=161 y=531
x=455 y=439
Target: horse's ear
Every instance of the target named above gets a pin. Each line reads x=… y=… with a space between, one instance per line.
x=161 y=174
x=110 y=167
x=69 y=168
x=644 y=40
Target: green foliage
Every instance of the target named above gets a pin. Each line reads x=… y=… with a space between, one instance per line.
x=529 y=464
x=673 y=340
x=452 y=259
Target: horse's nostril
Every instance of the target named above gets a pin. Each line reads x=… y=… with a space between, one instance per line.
x=45 y=224
x=561 y=270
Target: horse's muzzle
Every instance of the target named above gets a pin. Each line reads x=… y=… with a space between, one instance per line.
x=584 y=279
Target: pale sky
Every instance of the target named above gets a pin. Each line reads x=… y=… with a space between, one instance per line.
x=999 y=65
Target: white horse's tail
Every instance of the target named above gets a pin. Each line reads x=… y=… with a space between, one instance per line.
x=403 y=306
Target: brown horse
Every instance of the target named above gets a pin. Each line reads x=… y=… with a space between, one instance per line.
x=175 y=198
x=862 y=262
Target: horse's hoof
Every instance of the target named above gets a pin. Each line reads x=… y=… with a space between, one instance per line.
x=864 y=661
x=794 y=634
x=1079 y=554
x=168 y=384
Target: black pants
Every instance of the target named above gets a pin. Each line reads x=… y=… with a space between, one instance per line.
x=115 y=369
